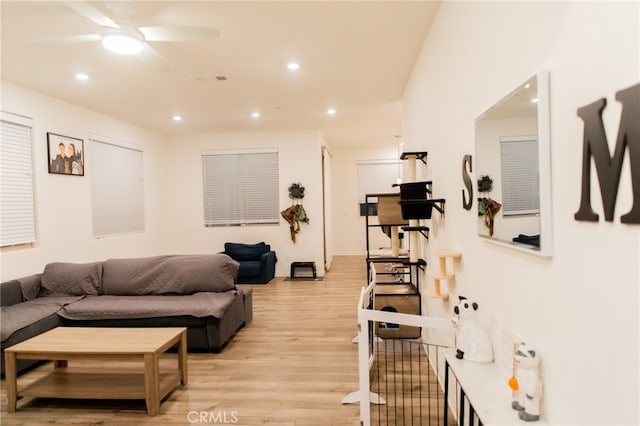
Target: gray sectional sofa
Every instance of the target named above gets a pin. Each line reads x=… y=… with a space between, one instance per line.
x=193 y=291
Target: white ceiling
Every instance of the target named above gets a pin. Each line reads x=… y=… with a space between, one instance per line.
x=355 y=56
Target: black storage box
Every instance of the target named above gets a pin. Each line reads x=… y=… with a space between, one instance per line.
x=414 y=202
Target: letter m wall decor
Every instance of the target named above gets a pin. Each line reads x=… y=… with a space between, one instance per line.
x=609 y=168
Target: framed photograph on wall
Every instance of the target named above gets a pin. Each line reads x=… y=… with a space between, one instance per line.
x=65 y=154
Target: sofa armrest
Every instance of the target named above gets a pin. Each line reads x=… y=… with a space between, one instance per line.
x=30 y=286
x=20 y=290
x=10 y=293
x=267 y=266
x=247 y=297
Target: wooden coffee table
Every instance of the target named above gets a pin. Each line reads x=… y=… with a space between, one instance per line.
x=63 y=344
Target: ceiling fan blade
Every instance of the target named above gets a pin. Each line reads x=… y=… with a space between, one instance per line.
x=179 y=33
x=91 y=13
x=153 y=58
x=70 y=39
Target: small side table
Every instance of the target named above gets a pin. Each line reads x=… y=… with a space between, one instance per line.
x=296 y=266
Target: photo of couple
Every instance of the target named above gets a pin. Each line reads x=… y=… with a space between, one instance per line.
x=65 y=155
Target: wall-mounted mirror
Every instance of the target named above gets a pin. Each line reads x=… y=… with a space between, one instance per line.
x=513 y=168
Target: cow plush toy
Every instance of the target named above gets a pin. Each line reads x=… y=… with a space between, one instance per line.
x=527 y=385
x=472 y=341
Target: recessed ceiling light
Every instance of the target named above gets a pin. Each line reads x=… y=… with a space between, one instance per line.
x=293 y=66
x=176 y=118
x=82 y=76
x=255 y=114
x=331 y=111
x=534 y=100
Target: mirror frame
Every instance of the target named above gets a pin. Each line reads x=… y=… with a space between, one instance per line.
x=544 y=169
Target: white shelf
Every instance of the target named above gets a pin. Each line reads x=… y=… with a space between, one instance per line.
x=486 y=389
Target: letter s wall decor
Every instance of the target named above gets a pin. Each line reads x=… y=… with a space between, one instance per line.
x=467 y=202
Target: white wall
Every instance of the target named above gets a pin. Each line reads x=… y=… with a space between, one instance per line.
x=580 y=306
x=63 y=203
x=173 y=192
x=300 y=158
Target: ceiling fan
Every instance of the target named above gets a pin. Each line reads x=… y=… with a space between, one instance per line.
x=119 y=34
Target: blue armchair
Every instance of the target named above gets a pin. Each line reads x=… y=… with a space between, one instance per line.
x=257 y=262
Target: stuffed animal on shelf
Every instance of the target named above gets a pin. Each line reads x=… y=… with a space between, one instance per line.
x=526 y=383
x=472 y=341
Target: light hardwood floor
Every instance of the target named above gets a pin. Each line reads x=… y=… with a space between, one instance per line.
x=291 y=366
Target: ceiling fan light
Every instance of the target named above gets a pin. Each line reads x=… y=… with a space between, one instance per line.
x=122 y=43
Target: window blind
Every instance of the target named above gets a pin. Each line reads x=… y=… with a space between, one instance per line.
x=240 y=188
x=17 y=213
x=519 y=172
x=117 y=188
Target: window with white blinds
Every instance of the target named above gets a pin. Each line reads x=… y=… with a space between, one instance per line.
x=240 y=187
x=377 y=177
x=17 y=213
x=117 y=188
x=519 y=172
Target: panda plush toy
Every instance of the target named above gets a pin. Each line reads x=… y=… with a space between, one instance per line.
x=472 y=341
x=527 y=385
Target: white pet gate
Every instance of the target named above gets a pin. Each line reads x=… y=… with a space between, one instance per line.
x=397 y=376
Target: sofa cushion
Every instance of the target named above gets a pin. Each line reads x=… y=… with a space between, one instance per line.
x=28 y=314
x=71 y=279
x=250 y=268
x=244 y=252
x=177 y=274
x=118 y=307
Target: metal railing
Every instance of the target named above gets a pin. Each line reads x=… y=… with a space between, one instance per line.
x=384 y=378
x=404 y=374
